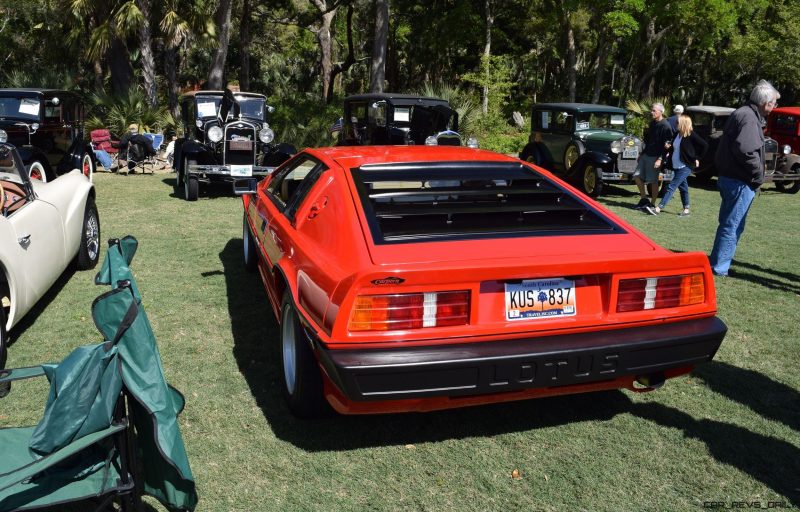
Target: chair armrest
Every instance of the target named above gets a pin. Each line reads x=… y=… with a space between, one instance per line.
x=12 y=374
x=12 y=476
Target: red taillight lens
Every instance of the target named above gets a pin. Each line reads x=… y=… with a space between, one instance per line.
x=660 y=292
x=409 y=311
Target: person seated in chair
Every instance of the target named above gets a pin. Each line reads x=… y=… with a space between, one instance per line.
x=135 y=146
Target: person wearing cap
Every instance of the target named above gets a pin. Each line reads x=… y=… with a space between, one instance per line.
x=673 y=119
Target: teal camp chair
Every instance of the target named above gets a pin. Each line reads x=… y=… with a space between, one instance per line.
x=109 y=433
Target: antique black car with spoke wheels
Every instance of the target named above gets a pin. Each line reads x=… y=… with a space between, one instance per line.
x=584 y=143
x=227 y=137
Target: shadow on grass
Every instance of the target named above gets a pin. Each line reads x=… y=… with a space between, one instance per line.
x=256 y=337
x=772 y=461
x=763 y=395
x=31 y=316
x=793 y=284
x=213 y=190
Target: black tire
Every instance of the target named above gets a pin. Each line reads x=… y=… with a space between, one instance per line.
x=301 y=377
x=89 y=250
x=191 y=187
x=531 y=154
x=250 y=255
x=5 y=388
x=789 y=187
x=591 y=184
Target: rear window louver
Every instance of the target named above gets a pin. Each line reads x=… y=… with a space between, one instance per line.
x=470 y=200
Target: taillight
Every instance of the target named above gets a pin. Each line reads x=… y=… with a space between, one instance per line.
x=409 y=311
x=660 y=292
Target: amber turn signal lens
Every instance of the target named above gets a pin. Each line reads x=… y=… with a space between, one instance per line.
x=404 y=311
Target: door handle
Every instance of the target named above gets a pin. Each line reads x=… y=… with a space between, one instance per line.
x=24 y=240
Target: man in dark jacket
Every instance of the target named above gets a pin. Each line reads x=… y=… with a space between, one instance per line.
x=649 y=164
x=740 y=164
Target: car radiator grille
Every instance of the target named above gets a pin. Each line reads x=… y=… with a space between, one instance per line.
x=626 y=165
x=240 y=145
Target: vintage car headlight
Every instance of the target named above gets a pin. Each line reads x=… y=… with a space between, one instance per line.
x=431 y=141
x=786 y=149
x=472 y=142
x=616 y=146
x=215 y=134
x=266 y=135
x=3 y=136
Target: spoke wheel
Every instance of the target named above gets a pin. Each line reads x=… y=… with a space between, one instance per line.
x=87 y=166
x=592 y=185
x=571 y=156
x=789 y=187
x=89 y=250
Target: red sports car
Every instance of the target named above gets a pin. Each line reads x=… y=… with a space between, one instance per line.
x=415 y=278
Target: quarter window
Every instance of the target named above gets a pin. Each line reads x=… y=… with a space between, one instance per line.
x=562 y=122
x=290 y=186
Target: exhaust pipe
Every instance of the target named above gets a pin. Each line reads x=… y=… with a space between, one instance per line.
x=650 y=381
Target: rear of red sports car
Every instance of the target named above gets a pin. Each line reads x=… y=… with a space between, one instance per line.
x=475 y=278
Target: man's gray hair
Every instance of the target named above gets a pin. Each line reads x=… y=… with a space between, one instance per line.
x=658 y=106
x=763 y=93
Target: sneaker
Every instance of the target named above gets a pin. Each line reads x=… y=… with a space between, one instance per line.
x=642 y=204
x=685 y=213
x=651 y=209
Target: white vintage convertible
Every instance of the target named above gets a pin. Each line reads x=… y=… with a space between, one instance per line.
x=43 y=227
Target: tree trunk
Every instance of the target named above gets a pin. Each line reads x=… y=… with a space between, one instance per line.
x=171 y=74
x=119 y=63
x=600 y=65
x=566 y=24
x=244 y=44
x=326 y=54
x=148 y=60
x=348 y=61
x=487 y=54
x=377 y=75
x=222 y=18
x=98 y=74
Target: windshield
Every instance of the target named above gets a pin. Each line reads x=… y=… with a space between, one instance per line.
x=207 y=106
x=251 y=107
x=600 y=120
x=19 y=108
x=9 y=168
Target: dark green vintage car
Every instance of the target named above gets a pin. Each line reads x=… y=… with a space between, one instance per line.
x=584 y=143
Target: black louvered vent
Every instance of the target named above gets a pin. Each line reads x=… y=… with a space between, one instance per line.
x=470 y=200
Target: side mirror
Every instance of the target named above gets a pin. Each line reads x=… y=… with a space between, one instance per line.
x=270 y=109
x=245 y=186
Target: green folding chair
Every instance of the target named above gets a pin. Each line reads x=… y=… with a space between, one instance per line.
x=109 y=433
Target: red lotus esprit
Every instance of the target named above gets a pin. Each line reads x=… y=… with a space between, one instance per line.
x=417 y=278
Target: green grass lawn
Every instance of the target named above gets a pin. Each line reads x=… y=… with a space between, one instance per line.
x=728 y=432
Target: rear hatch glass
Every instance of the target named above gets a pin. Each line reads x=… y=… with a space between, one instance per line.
x=419 y=202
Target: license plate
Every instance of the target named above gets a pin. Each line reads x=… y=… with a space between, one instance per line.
x=242 y=170
x=630 y=153
x=240 y=145
x=540 y=298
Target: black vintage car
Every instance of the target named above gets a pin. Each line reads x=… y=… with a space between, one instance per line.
x=46 y=126
x=398 y=119
x=226 y=137
x=585 y=143
x=709 y=122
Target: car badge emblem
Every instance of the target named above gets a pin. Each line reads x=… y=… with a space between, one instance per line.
x=630 y=142
x=387 y=280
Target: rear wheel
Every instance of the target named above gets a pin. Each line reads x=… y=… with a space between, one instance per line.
x=4 y=387
x=89 y=250
x=250 y=261
x=36 y=171
x=191 y=186
x=87 y=166
x=302 y=380
x=790 y=187
x=590 y=181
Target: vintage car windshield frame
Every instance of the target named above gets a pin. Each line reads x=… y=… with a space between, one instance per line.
x=15 y=175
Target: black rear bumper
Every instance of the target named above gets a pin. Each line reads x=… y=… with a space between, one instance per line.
x=499 y=366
